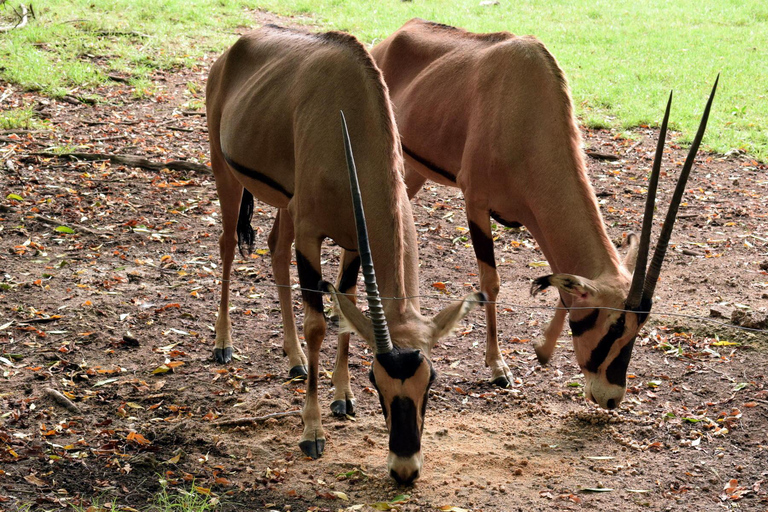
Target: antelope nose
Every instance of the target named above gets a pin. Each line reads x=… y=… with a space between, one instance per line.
x=404 y=477
x=610 y=404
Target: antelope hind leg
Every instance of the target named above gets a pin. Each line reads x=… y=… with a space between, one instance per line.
x=343 y=400
x=279 y=242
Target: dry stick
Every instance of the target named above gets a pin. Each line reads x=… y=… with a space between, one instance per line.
x=135 y=161
x=255 y=419
x=62 y=400
x=49 y=220
x=23 y=19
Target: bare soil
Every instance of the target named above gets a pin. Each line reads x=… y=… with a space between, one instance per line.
x=118 y=316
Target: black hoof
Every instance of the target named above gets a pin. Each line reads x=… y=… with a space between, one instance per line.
x=222 y=355
x=298 y=372
x=343 y=408
x=543 y=360
x=502 y=382
x=313 y=449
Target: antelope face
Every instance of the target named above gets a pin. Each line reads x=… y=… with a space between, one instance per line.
x=603 y=341
x=402 y=378
x=603 y=335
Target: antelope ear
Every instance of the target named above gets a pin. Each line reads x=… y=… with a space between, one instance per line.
x=351 y=319
x=633 y=242
x=447 y=319
x=578 y=286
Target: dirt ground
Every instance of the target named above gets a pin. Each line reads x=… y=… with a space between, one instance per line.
x=117 y=314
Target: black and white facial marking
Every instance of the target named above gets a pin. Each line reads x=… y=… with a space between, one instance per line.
x=403 y=378
x=605 y=359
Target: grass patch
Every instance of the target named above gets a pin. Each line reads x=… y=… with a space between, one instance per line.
x=20 y=119
x=621 y=58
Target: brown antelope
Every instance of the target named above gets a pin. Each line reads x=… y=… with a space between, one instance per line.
x=273 y=103
x=492 y=115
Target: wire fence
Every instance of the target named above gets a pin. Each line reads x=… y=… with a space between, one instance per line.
x=444 y=298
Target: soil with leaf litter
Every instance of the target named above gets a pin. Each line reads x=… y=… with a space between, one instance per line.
x=108 y=293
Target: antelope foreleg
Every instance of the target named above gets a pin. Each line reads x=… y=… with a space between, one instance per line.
x=545 y=346
x=343 y=400
x=279 y=242
x=482 y=241
x=308 y=262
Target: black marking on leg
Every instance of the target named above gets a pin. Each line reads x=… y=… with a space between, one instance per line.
x=222 y=355
x=405 y=435
x=616 y=373
x=579 y=327
x=483 y=245
x=309 y=278
x=313 y=449
x=348 y=279
x=600 y=353
x=430 y=165
x=256 y=175
x=506 y=223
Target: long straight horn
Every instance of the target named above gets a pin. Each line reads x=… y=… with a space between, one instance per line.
x=666 y=230
x=638 y=278
x=380 y=330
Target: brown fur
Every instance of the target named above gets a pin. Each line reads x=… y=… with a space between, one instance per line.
x=495 y=112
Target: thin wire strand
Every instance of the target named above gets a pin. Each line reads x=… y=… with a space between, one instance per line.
x=525 y=306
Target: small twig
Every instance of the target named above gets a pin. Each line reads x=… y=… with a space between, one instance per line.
x=22 y=17
x=179 y=129
x=255 y=419
x=62 y=400
x=49 y=220
x=603 y=156
x=193 y=113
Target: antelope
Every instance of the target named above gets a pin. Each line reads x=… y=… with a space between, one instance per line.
x=492 y=115
x=273 y=100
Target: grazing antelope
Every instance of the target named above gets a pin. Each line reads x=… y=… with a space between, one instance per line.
x=492 y=115
x=273 y=101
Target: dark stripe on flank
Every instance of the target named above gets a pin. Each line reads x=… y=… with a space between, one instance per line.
x=405 y=436
x=616 y=373
x=600 y=353
x=256 y=175
x=430 y=165
x=349 y=275
x=579 y=327
x=482 y=244
x=506 y=223
x=309 y=278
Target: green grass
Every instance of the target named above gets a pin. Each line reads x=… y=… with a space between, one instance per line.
x=621 y=58
x=73 y=45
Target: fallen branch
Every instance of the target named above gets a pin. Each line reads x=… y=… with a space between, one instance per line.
x=62 y=400
x=132 y=160
x=251 y=420
x=603 y=156
x=22 y=17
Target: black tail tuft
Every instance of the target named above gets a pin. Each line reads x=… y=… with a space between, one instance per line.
x=245 y=234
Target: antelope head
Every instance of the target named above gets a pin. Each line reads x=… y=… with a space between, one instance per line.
x=402 y=375
x=607 y=313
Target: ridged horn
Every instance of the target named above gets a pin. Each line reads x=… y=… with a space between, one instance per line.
x=638 y=278
x=380 y=329
x=669 y=222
